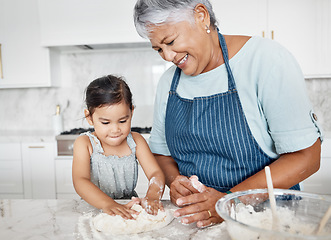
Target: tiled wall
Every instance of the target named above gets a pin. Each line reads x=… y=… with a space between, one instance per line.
x=22 y=109
x=319 y=92
x=33 y=108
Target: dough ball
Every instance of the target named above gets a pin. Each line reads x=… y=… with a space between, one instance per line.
x=143 y=222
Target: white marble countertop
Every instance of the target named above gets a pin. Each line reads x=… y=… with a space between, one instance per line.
x=65 y=219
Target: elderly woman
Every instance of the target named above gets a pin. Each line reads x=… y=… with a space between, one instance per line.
x=229 y=106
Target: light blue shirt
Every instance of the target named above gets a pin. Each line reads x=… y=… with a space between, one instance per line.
x=272 y=92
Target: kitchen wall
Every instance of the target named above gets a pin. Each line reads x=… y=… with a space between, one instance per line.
x=26 y=110
x=23 y=109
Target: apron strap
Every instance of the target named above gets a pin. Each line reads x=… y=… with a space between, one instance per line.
x=175 y=80
x=231 y=83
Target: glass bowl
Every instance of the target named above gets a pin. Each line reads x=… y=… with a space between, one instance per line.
x=248 y=215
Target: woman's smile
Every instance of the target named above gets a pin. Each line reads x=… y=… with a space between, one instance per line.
x=182 y=62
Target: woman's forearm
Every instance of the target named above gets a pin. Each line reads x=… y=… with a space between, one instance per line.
x=288 y=170
x=168 y=166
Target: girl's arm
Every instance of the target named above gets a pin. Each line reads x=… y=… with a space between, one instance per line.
x=153 y=172
x=86 y=189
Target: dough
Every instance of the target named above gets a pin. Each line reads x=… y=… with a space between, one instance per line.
x=143 y=222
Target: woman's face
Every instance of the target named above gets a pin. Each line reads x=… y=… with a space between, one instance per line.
x=187 y=45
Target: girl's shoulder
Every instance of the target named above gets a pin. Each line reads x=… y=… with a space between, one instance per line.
x=83 y=141
x=138 y=139
x=137 y=136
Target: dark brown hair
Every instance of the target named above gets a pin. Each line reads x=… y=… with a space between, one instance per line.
x=107 y=90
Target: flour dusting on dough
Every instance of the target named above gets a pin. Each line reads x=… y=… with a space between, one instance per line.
x=143 y=222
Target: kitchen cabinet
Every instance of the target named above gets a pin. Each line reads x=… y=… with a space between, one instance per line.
x=320 y=181
x=142 y=185
x=11 y=180
x=63 y=172
x=302 y=26
x=326 y=38
x=87 y=22
x=241 y=17
x=38 y=169
x=65 y=188
x=24 y=63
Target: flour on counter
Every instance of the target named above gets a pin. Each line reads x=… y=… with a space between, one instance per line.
x=288 y=222
x=173 y=231
x=143 y=222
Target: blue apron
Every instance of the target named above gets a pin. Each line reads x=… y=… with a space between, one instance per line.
x=210 y=137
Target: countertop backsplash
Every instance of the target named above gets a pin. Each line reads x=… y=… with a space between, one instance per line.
x=319 y=92
x=31 y=109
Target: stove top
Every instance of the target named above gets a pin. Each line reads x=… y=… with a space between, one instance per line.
x=65 y=141
x=77 y=131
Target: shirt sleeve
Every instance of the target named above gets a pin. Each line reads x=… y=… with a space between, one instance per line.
x=157 y=140
x=282 y=95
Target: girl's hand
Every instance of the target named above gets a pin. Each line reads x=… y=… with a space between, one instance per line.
x=151 y=205
x=201 y=208
x=125 y=211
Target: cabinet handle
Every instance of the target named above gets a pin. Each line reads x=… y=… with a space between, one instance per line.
x=1 y=72
x=272 y=34
x=36 y=146
x=263 y=34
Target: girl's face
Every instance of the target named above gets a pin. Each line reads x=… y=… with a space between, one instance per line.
x=112 y=124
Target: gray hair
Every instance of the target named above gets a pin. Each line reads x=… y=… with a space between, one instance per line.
x=162 y=11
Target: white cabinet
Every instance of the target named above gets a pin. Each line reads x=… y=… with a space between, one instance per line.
x=142 y=185
x=76 y=22
x=38 y=169
x=24 y=62
x=65 y=188
x=320 y=181
x=64 y=185
x=326 y=38
x=302 y=26
x=296 y=24
x=11 y=181
x=241 y=17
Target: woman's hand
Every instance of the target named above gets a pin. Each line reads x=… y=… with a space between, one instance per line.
x=181 y=187
x=201 y=208
x=113 y=208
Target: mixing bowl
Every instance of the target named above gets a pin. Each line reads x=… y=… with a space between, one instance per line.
x=248 y=215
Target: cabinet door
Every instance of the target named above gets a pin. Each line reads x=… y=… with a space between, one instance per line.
x=325 y=47
x=241 y=17
x=63 y=170
x=296 y=24
x=11 y=181
x=76 y=22
x=24 y=62
x=320 y=181
x=142 y=183
x=38 y=169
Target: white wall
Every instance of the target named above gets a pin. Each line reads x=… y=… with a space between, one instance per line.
x=22 y=109
x=33 y=108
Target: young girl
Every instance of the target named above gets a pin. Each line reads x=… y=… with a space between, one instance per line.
x=105 y=163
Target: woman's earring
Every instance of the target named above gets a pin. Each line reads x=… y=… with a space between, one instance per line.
x=208 y=30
